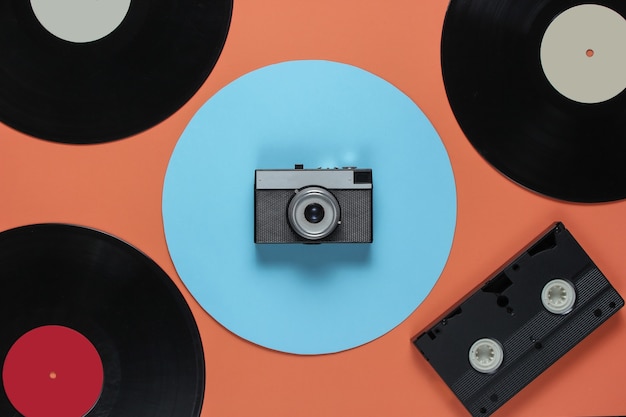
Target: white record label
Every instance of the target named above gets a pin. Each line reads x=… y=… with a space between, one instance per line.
x=80 y=21
x=583 y=53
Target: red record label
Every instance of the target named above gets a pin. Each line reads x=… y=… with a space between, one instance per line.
x=53 y=371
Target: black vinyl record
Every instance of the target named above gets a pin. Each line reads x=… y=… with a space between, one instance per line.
x=514 y=116
x=116 y=297
x=112 y=87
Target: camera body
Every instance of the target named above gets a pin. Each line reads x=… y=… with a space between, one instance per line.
x=313 y=205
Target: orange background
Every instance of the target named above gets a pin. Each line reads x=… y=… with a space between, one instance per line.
x=116 y=187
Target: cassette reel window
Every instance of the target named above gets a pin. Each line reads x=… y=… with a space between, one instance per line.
x=558 y=296
x=527 y=315
x=313 y=205
x=486 y=355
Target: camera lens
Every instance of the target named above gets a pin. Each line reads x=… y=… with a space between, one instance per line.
x=314 y=213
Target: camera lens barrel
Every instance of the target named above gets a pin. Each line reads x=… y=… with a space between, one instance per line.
x=314 y=213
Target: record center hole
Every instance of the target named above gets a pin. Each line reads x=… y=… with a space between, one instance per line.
x=53 y=375
x=589 y=52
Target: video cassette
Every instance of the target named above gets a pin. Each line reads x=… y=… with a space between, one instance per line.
x=526 y=316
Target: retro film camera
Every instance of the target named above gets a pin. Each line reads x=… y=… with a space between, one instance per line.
x=313 y=205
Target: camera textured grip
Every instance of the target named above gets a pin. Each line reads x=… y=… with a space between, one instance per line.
x=270 y=222
x=272 y=226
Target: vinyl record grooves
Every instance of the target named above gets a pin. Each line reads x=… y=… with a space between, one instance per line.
x=120 y=301
x=115 y=86
x=499 y=84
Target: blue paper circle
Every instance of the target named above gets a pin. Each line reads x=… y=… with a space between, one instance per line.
x=308 y=299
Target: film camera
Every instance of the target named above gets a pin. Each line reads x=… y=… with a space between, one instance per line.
x=313 y=205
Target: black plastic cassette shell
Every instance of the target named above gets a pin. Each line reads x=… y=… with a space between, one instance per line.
x=508 y=308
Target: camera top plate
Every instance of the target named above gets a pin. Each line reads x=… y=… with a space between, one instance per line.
x=293 y=179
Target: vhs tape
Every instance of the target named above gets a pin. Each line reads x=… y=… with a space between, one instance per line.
x=520 y=321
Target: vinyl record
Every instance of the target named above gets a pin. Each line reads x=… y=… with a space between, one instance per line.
x=92 y=327
x=77 y=71
x=537 y=87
